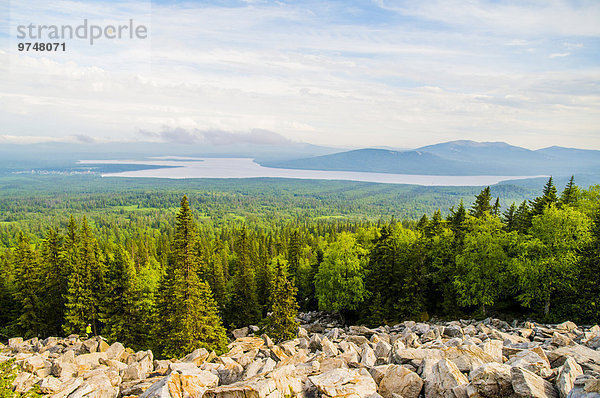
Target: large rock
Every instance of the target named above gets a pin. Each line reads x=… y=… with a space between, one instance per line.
x=467 y=357
x=566 y=377
x=353 y=383
x=492 y=380
x=586 y=357
x=98 y=386
x=527 y=384
x=400 y=380
x=534 y=360
x=115 y=351
x=188 y=383
x=443 y=379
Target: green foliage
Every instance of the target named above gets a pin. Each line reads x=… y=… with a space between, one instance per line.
x=243 y=308
x=481 y=263
x=8 y=374
x=153 y=277
x=547 y=261
x=281 y=323
x=189 y=314
x=482 y=203
x=339 y=283
x=84 y=291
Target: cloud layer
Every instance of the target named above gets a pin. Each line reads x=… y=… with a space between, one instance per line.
x=394 y=73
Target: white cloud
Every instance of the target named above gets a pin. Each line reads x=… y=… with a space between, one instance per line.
x=559 y=55
x=307 y=75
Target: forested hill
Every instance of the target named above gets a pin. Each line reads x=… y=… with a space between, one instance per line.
x=457 y=158
x=175 y=286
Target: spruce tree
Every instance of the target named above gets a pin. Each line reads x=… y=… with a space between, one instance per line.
x=294 y=254
x=243 y=308
x=522 y=218
x=482 y=203
x=121 y=314
x=30 y=320
x=56 y=280
x=81 y=307
x=281 y=323
x=193 y=321
x=509 y=218
x=570 y=193
x=539 y=204
x=457 y=217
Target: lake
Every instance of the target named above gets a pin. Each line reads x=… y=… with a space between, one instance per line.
x=247 y=168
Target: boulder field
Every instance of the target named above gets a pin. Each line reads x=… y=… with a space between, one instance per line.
x=459 y=359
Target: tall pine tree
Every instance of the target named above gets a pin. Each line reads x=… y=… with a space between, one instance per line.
x=192 y=320
x=281 y=323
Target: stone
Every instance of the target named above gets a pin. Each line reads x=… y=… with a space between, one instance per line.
x=97 y=386
x=377 y=372
x=50 y=385
x=115 y=351
x=400 y=380
x=367 y=356
x=241 y=332
x=566 y=377
x=534 y=360
x=383 y=350
x=494 y=349
x=345 y=382
x=561 y=340
x=314 y=344
x=197 y=356
x=188 y=383
x=443 y=378
x=491 y=380
x=68 y=387
x=586 y=357
x=360 y=330
x=328 y=347
x=24 y=381
x=453 y=331
x=15 y=342
x=466 y=357
x=64 y=370
x=91 y=345
x=89 y=361
x=530 y=385
x=567 y=326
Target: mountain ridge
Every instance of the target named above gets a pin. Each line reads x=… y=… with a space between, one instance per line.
x=461 y=157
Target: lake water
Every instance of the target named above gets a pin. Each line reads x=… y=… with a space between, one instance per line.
x=247 y=168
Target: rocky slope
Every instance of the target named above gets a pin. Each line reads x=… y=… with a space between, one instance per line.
x=457 y=359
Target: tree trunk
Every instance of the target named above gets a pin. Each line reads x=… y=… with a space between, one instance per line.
x=547 y=306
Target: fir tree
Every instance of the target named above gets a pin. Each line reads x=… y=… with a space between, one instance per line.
x=496 y=208
x=570 y=193
x=56 y=280
x=121 y=310
x=81 y=307
x=482 y=203
x=522 y=218
x=28 y=282
x=510 y=218
x=457 y=217
x=294 y=254
x=193 y=321
x=539 y=204
x=243 y=308
x=281 y=323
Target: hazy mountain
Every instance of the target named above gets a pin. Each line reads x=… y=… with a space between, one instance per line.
x=457 y=158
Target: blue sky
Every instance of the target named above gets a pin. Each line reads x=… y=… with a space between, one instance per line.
x=347 y=73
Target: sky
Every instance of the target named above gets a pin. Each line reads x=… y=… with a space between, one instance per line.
x=384 y=73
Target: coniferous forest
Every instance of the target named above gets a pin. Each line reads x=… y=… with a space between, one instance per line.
x=175 y=284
